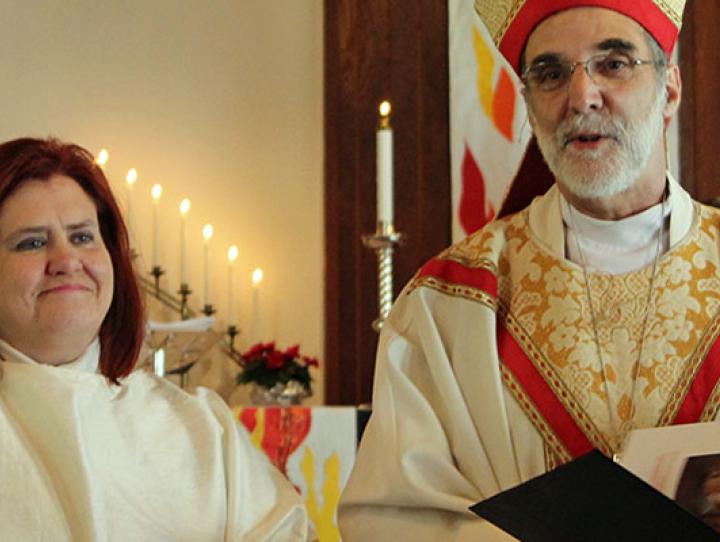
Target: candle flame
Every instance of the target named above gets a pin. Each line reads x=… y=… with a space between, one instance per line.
x=385 y=108
x=257 y=276
x=207 y=232
x=156 y=192
x=232 y=253
x=131 y=176
x=184 y=206
x=102 y=157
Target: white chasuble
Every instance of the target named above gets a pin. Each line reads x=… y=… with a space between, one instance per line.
x=84 y=460
x=488 y=371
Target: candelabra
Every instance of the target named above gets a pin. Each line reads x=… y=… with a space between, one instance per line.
x=232 y=332
x=184 y=292
x=383 y=242
x=157 y=272
x=208 y=309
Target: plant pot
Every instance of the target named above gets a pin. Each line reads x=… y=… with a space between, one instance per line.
x=290 y=394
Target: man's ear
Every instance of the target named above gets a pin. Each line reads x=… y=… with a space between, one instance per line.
x=530 y=116
x=673 y=88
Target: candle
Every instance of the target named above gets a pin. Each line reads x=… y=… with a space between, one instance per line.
x=257 y=276
x=130 y=179
x=184 y=209
x=156 y=192
x=102 y=158
x=207 y=234
x=232 y=256
x=384 y=172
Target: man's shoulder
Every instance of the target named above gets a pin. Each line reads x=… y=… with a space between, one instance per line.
x=483 y=248
x=470 y=267
x=708 y=212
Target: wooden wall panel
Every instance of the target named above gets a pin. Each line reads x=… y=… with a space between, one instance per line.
x=700 y=107
x=378 y=49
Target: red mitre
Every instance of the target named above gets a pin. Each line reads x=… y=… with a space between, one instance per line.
x=510 y=22
x=515 y=20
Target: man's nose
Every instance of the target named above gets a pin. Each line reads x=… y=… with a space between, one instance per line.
x=584 y=94
x=63 y=259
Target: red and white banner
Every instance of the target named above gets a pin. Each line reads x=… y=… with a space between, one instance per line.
x=488 y=124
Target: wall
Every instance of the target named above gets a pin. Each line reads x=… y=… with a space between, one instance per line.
x=220 y=102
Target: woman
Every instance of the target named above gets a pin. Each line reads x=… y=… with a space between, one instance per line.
x=89 y=449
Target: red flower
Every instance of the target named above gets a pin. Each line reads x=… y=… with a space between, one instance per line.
x=311 y=362
x=293 y=351
x=275 y=360
x=259 y=351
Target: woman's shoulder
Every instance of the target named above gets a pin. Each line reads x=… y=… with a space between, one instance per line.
x=160 y=398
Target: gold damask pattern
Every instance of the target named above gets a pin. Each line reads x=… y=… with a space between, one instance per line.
x=560 y=388
x=545 y=299
x=473 y=253
x=673 y=9
x=498 y=15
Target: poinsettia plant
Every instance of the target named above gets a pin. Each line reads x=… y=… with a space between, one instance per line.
x=267 y=366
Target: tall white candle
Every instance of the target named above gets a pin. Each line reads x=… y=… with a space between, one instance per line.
x=156 y=192
x=232 y=256
x=130 y=180
x=257 y=277
x=184 y=209
x=384 y=172
x=207 y=235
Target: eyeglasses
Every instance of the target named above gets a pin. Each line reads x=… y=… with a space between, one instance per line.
x=604 y=69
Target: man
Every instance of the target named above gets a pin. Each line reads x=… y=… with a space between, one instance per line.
x=560 y=328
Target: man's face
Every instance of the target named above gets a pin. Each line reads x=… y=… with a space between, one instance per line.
x=597 y=138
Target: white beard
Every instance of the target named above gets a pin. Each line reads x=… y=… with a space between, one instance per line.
x=608 y=171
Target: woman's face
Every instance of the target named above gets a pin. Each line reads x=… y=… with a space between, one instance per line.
x=56 y=277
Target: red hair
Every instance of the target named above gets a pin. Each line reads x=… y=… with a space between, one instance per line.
x=122 y=330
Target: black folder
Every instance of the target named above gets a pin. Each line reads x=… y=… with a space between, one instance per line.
x=591 y=499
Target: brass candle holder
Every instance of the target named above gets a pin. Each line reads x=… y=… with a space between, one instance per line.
x=157 y=272
x=232 y=332
x=184 y=292
x=383 y=242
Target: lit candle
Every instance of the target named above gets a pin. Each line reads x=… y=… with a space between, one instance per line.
x=130 y=179
x=102 y=158
x=232 y=256
x=384 y=150
x=156 y=192
x=257 y=276
x=207 y=235
x=184 y=209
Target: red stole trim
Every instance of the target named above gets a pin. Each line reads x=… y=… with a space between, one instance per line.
x=545 y=400
x=453 y=272
x=701 y=389
x=564 y=426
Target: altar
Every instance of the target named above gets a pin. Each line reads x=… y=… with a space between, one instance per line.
x=314 y=447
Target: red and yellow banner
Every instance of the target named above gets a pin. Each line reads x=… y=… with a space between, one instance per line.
x=488 y=127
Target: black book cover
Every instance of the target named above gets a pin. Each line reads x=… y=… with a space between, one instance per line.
x=591 y=499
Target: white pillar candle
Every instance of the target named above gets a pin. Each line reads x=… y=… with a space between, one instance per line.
x=130 y=179
x=207 y=235
x=232 y=256
x=156 y=192
x=257 y=277
x=384 y=171
x=184 y=209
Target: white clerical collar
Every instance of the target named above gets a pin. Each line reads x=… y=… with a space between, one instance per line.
x=615 y=246
x=87 y=362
